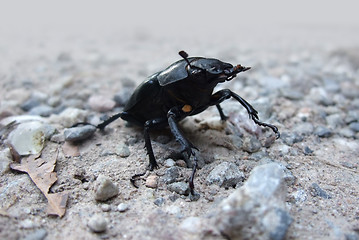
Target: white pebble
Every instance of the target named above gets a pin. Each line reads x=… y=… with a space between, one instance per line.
x=105 y=189
x=122 y=207
x=97 y=223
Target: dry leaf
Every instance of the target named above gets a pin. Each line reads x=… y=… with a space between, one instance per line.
x=42 y=174
x=70 y=150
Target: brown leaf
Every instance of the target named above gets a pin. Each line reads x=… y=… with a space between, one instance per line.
x=42 y=174
x=70 y=150
x=57 y=203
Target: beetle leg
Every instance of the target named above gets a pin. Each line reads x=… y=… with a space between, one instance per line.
x=135 y=177
x=150 y=124
x=254 y=114
x=102 y=125
x=172 y=116
x=220 y=110
x=194 y=168
x=224 y=94
x=187 y=146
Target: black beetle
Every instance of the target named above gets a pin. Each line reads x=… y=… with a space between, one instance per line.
x=183 y=89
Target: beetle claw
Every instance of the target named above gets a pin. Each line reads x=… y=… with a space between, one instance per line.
x=189 y=151
x=153 y=166
x=136 y=177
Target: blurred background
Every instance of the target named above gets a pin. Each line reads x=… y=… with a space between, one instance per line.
x=298 y=22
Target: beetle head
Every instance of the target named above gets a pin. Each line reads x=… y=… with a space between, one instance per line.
x=213 y=70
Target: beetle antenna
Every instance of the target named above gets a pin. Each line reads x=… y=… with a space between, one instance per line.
x=185 y=57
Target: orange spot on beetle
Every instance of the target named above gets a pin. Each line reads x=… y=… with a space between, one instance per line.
x=187 y=108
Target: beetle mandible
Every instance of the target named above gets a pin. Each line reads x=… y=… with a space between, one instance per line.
x=183 y=89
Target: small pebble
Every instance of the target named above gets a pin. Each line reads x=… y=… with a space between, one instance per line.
x=282 y=149
x=159 y=201
x=299 y=195
x=151 y=181
x=307 y=150
x=320 y=96
x=79 y=133
x=181 y=163
x=169 y=163
x=38 y=234
x=41 y=110
x=318 y=191
x=171 y=175
x=80 y=174
x=97 y=223
x=334 y=121
x=132 y=141
x=354 y=126
x=106 y=207
x=27 y=224
x=101 y=103
x=58 y=138
x=323 y=132
x=173 y=197
x=290 y=138
x=304 y=128
x=30 y=104
x=346 y=132
x=86 y=186
x=123 y=150
x=123 y=207
x=352 y=116
x=49 y=131
x=174 y=210
x=251 y=144
x=225 y=174
x=291 y=94
x=71 y=103
x=105 y=188
x=349 y=90
x=331 y=85
x=69 y=117
x=179 y=187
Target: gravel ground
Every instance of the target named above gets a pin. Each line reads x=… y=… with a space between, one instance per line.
x=301 y=186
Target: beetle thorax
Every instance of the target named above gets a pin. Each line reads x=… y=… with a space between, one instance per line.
x=191 y=92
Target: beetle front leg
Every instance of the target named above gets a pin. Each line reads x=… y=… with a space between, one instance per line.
x=224 y=94
x=173 y=115
x=221 y=114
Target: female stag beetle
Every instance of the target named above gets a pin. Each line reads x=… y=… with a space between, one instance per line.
x=182 y=89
